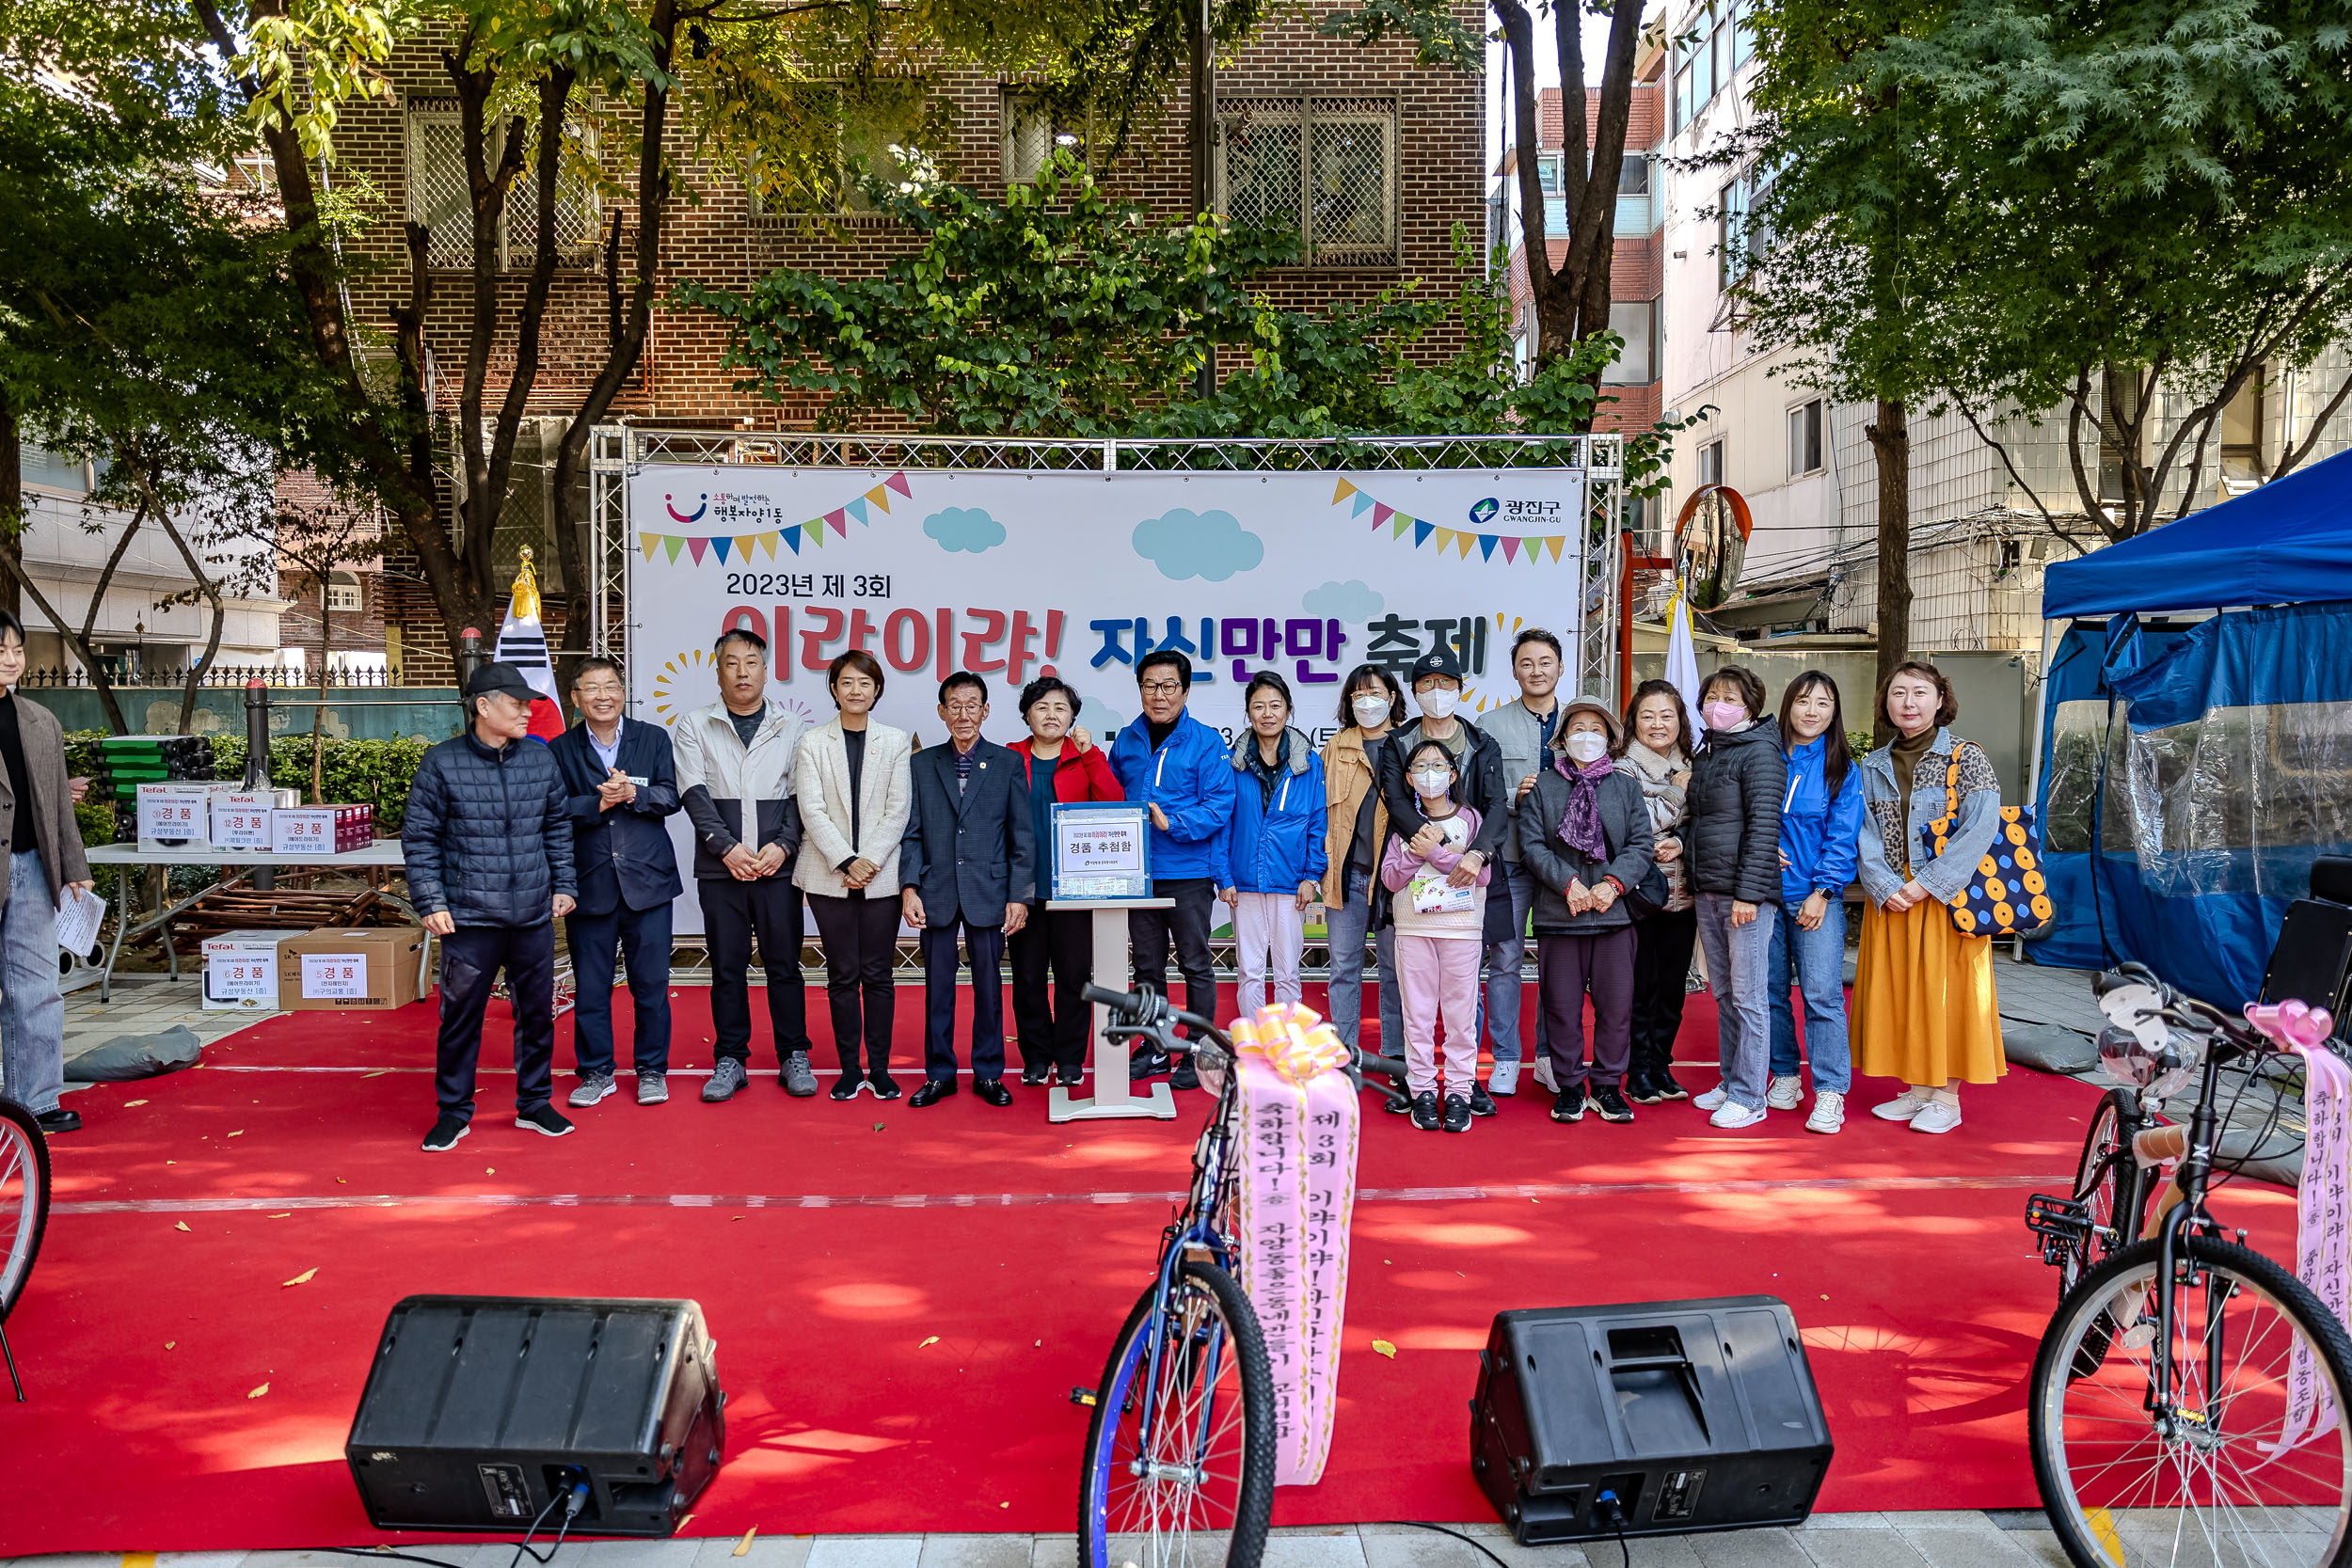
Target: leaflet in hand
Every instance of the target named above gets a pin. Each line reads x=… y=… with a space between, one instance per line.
x=1433 y=894
x=78 y=914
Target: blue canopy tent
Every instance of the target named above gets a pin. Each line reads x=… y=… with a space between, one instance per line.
x=2190 y=769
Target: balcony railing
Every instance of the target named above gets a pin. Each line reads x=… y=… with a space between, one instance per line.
x=216 y=675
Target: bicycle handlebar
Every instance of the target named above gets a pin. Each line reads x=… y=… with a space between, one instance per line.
x=2173 y=1005
x=1145 y=1011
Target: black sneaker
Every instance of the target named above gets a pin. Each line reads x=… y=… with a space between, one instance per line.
x=444 y=1135
x=545 y=1120
x=1184 y=1075
x=884 y=1085
x=1569 y=1105
x=847 y=1085
x=1480 y=1103
x=1457 y=1112
x=1663 y=1082
x=1426 y=1115
x=1150 y=1064
x=1611 y=1104
x=1033 y=1073
x=1640 y=1089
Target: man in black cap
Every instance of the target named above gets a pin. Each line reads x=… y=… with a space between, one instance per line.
x=489 y=842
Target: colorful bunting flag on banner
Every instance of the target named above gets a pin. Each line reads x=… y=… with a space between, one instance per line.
x=1460 y=541
x=739 y=547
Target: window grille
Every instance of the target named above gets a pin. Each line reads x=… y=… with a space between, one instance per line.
x=1323 y=167
x=342 y=594
x=440 y=197
x=834 y=138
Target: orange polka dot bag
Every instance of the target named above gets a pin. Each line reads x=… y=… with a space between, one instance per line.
x=2009 y=895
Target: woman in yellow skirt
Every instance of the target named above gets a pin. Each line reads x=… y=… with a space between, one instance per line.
x=1923 y=1005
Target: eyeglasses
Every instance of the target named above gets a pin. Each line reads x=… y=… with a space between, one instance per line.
x=602 y=688
x=1162 y=689
x=964 y=710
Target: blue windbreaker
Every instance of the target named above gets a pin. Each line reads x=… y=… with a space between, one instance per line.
x=1272 y=847
x=1191 y=780
x=1820 y=837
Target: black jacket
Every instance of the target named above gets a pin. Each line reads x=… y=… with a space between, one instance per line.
x=1733 y=842
x=1480 y=786
x=488 y=836
x=1625 y=831
x=624 y=856
x=968 y=852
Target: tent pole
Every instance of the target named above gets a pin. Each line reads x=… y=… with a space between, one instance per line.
x=2033 y=753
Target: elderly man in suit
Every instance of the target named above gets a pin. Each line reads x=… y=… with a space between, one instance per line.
x=620 y=786
x=967 y=860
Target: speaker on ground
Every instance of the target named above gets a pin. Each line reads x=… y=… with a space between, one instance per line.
x=482 y=1413
x=1660 y=1418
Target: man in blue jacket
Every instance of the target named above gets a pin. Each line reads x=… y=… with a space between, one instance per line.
x=968 y=860
x=488 y=846
x=1183 y=771
x=619 y=786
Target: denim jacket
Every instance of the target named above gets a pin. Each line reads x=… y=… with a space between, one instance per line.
x=1972 y=835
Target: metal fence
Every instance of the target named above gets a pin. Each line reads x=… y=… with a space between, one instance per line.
x=215 y=676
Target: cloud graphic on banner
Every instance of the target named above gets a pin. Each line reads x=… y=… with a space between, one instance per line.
x=1351 y=601
x=1212 y=546
x=1098 y=715
x=964 y=527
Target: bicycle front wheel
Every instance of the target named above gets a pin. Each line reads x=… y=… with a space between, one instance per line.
x=2231 y=1467
x=1180 y=1453
x=24 y=1199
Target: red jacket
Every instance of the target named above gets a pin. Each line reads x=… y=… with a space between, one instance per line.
x=1091 y=780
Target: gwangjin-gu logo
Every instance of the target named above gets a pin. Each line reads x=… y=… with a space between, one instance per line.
x=678 y=516
x=1482 y=513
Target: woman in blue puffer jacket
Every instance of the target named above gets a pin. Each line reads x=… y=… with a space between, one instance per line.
x=1269 y=860
x=1820 y=844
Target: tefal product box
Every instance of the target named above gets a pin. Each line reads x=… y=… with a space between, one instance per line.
x=242 y=969
x=242 y=819
x=303 y=830
x=350 y=969
x=176 y=818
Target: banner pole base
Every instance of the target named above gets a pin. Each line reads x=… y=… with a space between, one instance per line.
x=1114 y=1096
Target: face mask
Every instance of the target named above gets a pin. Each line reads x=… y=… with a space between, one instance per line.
x=1370 y=710
x=1438 y=703
x=1587 y=747
x=1724 y=716
x=1429 y=783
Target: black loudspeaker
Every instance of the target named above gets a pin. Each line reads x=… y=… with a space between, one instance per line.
x=2312 y=960
x=1672 y=1417
x=481 y=1412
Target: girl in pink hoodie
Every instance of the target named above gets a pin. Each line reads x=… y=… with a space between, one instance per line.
x=1438 y=940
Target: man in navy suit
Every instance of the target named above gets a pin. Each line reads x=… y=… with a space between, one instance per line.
x=619 y=784
x=968 y=860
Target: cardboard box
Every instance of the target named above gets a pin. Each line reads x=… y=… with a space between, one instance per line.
x=176 y=818
x=241 y=970
x=303 y=830
x=350 y=969
x=242 y=819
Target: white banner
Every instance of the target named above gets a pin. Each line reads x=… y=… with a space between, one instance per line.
x=1016 y=574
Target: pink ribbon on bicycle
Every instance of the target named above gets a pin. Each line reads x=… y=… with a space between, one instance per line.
x=2323 y=1241
x=1294 y=1203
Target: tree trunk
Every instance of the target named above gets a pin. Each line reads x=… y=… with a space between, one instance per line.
x=1890 y=440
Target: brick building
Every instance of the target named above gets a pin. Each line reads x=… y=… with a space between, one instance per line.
x=1635 y=274
x=1394 y=153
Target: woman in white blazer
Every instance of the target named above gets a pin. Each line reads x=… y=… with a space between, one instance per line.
x=853 y=785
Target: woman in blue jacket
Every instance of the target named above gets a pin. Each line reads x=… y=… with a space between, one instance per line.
x=1269 y=860
x=1820 y=839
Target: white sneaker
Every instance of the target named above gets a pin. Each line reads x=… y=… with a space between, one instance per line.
x=1937 y=1115
x=1712 y=1100
x=1541 y=1072
x=1504 y=1079
x=1732 y=1114
x=1785 y=1094
x=1902 y=1107
x=1829 y=1112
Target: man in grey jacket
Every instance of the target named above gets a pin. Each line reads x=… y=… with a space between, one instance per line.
x=1522 y=729
x=45 y=867
x=734 y=783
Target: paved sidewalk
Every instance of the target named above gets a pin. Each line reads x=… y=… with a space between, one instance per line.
x=2011 y=1539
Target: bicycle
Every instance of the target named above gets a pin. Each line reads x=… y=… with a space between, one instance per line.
x=2192 y=1399
x=1179 y=1466
x=23 y=1213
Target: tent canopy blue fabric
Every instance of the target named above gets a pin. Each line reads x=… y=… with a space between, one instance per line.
x=2289 y=542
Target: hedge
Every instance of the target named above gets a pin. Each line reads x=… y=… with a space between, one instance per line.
x=355 y=772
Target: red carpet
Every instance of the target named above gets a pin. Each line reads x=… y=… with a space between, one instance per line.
x=902 y=1308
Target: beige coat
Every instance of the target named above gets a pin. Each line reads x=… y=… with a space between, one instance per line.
x=820 y=782
x=55 y=833
x=1346 y=780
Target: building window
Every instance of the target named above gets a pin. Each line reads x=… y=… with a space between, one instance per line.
x=51 y=471
x=833 y=135
x=342 y=594
x=1712 y=462
x=1720 y=38
x=1032 y=134
x=1323 y=167
x=1633 y=178
x=439 y=194
x=1636 y=322
x=1731 y=234
x=1804 y=438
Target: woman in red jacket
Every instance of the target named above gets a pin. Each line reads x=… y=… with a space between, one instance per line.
x=1063 y=763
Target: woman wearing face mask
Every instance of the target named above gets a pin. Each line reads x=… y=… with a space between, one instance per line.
x=1733 y=847
x=1269 y=860
x=1372 y=706
x=1441 y=931
x=1923 y=1003
x=1657 y=755
x=1585 y=835
x=1820 y=835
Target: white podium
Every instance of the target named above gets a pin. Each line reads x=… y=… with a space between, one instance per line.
x=1113 y=1095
